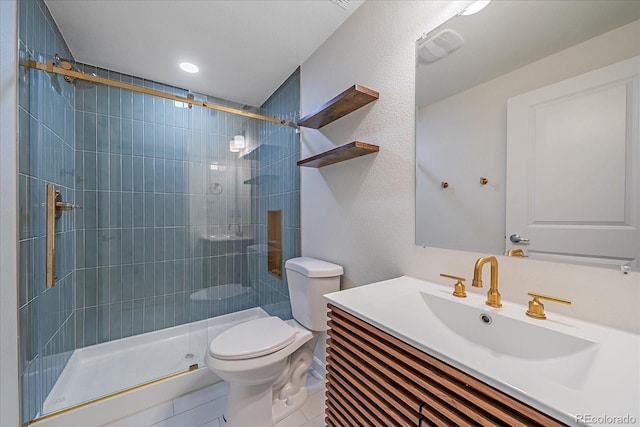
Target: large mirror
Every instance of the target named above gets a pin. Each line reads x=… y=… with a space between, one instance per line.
x=527 y=132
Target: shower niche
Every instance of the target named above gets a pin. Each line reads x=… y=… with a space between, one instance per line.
x=274 y=243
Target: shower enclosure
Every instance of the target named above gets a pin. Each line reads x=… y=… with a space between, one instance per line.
x=171 y=230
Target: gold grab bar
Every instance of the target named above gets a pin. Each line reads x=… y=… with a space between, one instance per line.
x=51 y=235
x=55 y=206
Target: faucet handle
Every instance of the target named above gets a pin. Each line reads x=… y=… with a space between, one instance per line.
x=536 y=308
x=458 y=288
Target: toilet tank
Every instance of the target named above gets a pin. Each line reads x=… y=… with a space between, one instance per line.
x=309 y=279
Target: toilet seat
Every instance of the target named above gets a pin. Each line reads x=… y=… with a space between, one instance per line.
x=255 y=338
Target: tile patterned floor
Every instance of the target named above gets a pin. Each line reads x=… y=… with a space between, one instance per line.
x=204 y=408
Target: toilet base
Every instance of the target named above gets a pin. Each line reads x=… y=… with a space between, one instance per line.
x=247 y=405
x=263 y=405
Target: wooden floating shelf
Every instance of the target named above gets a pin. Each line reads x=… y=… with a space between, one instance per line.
x=339 y=154
x=348 y=101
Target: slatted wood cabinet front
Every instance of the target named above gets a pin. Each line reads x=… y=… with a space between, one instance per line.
x=375 y=379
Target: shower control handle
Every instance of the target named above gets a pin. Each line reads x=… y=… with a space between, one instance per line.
x=61 y=206
x=65 y=206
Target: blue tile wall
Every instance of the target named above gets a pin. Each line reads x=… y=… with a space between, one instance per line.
x=278 y=188
x=148 y=166
x=46 y=155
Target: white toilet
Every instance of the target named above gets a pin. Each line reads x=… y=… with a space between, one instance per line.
x=265 y=360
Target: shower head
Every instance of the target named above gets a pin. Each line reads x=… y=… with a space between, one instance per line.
x=77 y=82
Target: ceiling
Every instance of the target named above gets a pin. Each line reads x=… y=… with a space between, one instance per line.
x=508 y=35
x=244 y=48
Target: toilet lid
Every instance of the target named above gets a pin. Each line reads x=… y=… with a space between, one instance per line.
x=254 y=338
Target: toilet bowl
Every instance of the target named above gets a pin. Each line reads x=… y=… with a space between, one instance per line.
x=265 y=361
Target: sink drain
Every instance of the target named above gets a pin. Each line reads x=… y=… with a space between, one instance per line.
x=486 y=319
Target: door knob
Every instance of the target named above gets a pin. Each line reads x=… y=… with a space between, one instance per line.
x=515 y=238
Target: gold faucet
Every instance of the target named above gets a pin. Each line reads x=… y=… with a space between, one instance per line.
x=493 y=296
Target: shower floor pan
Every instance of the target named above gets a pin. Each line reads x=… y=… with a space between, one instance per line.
x=105 y=370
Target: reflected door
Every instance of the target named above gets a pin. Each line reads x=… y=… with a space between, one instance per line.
x=572 y=168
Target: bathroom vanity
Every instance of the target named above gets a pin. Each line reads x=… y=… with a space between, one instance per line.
x=407 y=352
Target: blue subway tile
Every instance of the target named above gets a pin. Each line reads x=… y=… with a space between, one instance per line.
x=149 y=210
x=158 y=141
x=115 y=135
x=138 y=138
x=115 y=283
x=127 y=173
x=127 y=210
x=102 y=133
x=102 y=320
x=115 y=172
x=138 y=174
x=90 y=326
x=149 y=245
x=115 y=321
x=127 y=136
x=114 y=101
x=159 y=243
x=126 y=102
x=102 y=209
x=103 y=247
x=115 y=246
x=159 y=176
x=91 y=248
x=138 y=209
x=102 y=99
x=102 y=285
x=138 y=245
x=148 y=315
x=149 y=175
x=127 y=281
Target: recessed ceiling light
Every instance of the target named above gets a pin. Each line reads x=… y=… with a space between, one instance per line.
x=189 y=67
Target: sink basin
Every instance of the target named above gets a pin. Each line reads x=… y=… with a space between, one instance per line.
x=517 y=342
x=513 y=342
x=504 y=335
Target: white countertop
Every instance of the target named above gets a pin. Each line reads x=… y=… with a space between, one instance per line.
x=583 y=388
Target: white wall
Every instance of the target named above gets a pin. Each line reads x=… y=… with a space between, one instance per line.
x=464 y=137
x=9 y=395
x=360 y=213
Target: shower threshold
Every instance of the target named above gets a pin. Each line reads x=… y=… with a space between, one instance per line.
x=103 y=370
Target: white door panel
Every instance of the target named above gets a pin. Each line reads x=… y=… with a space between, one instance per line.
x=572 y=168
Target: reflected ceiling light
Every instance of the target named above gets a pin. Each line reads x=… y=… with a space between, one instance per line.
x=475 y=7
x=232 y=147
x=189 y=67
x=238 y=141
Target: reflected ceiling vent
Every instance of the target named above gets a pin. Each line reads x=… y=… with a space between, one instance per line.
x=438 y=46
x=342 y=3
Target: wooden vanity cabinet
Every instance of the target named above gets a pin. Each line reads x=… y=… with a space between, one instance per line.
x=375 y=379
